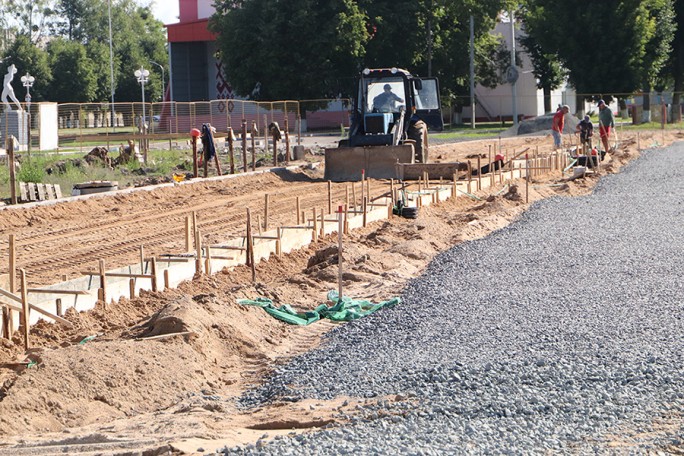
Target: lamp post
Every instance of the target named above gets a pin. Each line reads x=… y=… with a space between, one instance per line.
x=27 y=81
x=163 y=78
x=111 y=66
x=142 y=76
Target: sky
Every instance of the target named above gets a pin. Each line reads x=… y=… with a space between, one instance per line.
x=164 y=10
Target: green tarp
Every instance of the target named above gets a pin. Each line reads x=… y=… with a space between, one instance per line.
x=346 y=309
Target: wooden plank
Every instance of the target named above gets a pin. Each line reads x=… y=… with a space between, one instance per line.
x=31 y=191
x=40 y=189
x=16 y=298
x=119 y=274
x=58 y=191
x=23 y=191
x=49 y=291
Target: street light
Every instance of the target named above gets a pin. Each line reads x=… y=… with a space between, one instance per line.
x=163 y=78
x=27 y=81
x=142 y=75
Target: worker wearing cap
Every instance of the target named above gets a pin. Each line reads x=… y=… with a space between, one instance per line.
x=606 y=122
x=586 y=130
x=385 y=102
x=557 y=125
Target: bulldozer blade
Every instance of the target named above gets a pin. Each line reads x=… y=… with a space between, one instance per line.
x=345 y=164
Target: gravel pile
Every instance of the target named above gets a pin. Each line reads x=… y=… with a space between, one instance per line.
x=560 y=333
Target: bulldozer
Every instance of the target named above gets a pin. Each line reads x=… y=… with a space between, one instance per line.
x=389 y=124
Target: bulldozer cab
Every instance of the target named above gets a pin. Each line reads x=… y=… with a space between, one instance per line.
x=396 y=91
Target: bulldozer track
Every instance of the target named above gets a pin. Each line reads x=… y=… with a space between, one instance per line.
x=50 y=247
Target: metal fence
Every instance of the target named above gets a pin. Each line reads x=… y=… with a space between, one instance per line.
x=81 y=125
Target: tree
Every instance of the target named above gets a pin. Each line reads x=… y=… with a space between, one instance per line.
x=298 y=49
x=432 y=37
x=138 y=38
x=31 y=18
x=70 y=14
x=74 y=80
x=546 y=68
x=605 y=48
x=27 y=57
x=657 y=48
x=672 y=73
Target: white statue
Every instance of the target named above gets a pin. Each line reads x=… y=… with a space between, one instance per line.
x=8 y=91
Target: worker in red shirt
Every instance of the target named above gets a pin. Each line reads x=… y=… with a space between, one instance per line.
x=557 y=125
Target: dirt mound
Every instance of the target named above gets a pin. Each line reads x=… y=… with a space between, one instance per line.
x=103 y=380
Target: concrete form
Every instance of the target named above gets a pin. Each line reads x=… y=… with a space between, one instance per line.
x=170 y=270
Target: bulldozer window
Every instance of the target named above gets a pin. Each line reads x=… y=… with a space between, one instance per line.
x=427 y=97
x=380 y=99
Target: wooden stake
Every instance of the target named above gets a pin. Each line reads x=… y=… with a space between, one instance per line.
x=266 y=198
x=346 y=217
x=198 y=247
x=287 y=140
x=167 y=279
x=315 y=226
x=103 y=281
x=207 y=261
x=470 y=176
x=58 y=307
x=322 y=222
x=298 y=211
x=195 y=171
x=340 y=231
x=329 y=197
x=479 y=173
x=131 y=288
x=231 y=153
x=25 y=314
x=454 y=191
x=255 y=132
x=354 y=195
x=365 y=210
x=9 y=144
x=363 y=181
x=12 y=264
x=188 y=230
x=527 y=179
x=250 y=245
x=279 y=247
x=153 y=273
x=243 y=132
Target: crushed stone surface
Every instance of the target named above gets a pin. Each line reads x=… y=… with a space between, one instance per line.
x=561 y=333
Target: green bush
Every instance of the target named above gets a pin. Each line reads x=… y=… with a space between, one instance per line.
x=31 y=171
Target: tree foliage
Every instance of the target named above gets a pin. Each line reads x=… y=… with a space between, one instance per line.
x=610 y=47
x=74 y=80
x=295 y=49
x=28 y=58
x=419 y=35
x=138 y=38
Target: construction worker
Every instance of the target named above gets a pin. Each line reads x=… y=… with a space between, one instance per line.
x=606 y=122
x=387 y=100
x=557 y=125
x=586 y=130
